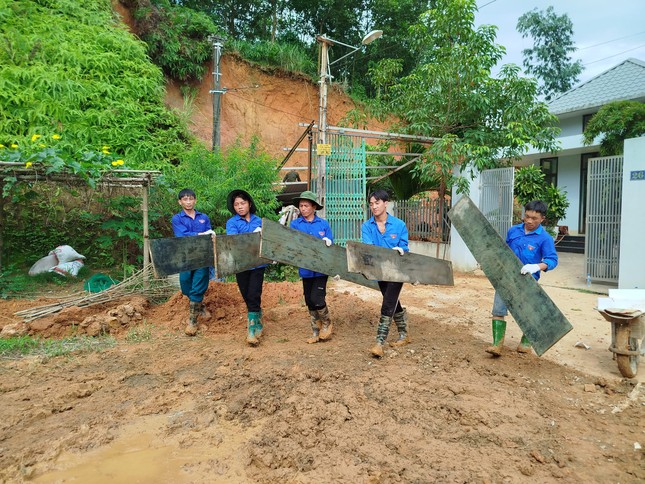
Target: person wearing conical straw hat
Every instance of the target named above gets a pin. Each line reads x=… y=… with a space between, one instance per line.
x=243 y=221
x=314 y=284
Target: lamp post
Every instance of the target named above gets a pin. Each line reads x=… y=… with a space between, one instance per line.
x=325 y=77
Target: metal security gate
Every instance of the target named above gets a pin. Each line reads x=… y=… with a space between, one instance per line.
x=604 y=195
x=345 y=187
x=496 y=198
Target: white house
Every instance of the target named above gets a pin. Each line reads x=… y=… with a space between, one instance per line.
x=567 y=168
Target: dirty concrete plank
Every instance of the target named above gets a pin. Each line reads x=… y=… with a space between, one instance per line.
x=534 y=311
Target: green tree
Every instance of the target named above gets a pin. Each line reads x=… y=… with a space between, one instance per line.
x=478 y=120
x=614 y=123
x=549 y=60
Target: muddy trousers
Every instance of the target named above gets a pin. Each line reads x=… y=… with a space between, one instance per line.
x=391 y=292
x=315 y=292
x=194 y=284
x=250 y=285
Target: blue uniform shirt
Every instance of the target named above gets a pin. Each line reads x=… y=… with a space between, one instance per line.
x=396 y=233
x=532 y=248
x=183 y=225
x=239 y=225
x=319 y=228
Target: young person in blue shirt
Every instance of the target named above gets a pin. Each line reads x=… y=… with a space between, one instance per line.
x=314 y=284
x=385 y=230
x=534 y=246
x=243 y=221
x=190 y=222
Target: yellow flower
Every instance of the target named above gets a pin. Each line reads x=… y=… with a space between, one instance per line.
x=105 y=152
x=14 y=145
x=120 y=162
x=28 y=164
x=1 y=145
x=34 y=137
x=114 y=163
x=40 y=145
x=105 y=148
x=56 y=136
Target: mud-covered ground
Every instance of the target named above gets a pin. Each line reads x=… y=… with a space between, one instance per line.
x=211 y=409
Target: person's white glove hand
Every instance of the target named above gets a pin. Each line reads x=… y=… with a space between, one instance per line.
x=530 y=269
x=208 y=232
x=327 y=241
x=258 y=229
x=399 y=250
x=336 y=277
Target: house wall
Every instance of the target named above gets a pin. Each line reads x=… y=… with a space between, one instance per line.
x=571 y=126
x=631 y=268
x=569 y=181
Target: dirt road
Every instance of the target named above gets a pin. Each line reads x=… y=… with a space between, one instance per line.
x=210 y=409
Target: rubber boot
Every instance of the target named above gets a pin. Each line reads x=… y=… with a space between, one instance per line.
x=258 y=325
x=204 y=313
x=381 y=335
x=401 y=321
x=524 y=346
x=327 y=326
x=499 y=331
x=315 y=327
x=251 y=337
x=191 y=327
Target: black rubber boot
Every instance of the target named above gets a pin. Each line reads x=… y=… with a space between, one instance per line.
x=327 y=326
x=401 y=321
x=381 y=335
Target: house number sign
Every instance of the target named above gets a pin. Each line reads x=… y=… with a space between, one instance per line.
x=637 y=175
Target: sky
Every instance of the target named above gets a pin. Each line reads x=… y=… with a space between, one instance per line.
x=606 y=32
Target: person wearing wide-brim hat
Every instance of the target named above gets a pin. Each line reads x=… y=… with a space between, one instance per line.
x=243 y=221
x=314 y=284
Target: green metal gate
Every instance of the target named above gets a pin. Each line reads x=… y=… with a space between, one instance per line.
x=345 y=207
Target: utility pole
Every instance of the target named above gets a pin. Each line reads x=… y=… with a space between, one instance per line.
x=321 y=166
x=216 y=91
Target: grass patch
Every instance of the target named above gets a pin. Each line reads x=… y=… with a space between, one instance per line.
x=12 y=348
x=139 y=333
x=17 y=283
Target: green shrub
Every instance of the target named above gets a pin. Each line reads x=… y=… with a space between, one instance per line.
x=530 y=184
x=284 y=56
x=177 y=37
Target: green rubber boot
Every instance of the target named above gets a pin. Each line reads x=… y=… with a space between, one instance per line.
x=401 y=321
x=524 y=346
x=251 y=336
x=381 y=335
x=499 y=331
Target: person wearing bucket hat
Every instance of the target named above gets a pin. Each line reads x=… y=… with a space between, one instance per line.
x=314 y=284
x=194 y=283
x=243 y=221
x=385 y=230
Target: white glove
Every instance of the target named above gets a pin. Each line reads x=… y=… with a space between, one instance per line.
x=530 y=269
x=258 y=229
x=208 y=232
x=336 y=277
x=399 y=250
x=328 y=241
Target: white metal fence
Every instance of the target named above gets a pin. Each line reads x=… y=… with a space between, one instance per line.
x=604 y=194
x=496 y=198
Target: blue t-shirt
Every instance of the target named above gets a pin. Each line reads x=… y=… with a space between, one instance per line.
x=183 y=225
x=396 y=233
x=534 y=247
x=318 y=228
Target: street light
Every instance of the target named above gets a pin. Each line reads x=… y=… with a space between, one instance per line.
x=325 y=74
